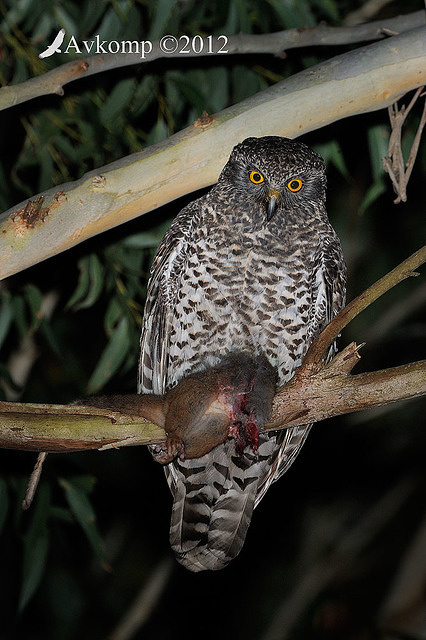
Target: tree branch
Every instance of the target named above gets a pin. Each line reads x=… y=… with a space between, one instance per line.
x=316 y=392
x=313 y=359
x=366 y=79
x=332 y=391
x=52 y=82
x=67 y=428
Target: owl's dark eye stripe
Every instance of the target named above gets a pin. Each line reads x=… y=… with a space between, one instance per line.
x=256 y=177
x=295 y=185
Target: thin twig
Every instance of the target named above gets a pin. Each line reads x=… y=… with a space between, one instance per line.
x=398 y=171
x=34 y=480
x=415 y=145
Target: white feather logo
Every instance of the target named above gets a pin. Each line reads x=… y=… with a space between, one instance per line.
x=55 y=46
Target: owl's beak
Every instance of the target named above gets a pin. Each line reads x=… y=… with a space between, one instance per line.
x=273 y=196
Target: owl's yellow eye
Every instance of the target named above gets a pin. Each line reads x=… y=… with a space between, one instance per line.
x=256 y=177
x=294 y=185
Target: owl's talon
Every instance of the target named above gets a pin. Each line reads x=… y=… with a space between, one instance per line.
x=160 y=453
x=175 y=447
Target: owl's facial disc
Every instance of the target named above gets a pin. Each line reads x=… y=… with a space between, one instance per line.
x=273 y=196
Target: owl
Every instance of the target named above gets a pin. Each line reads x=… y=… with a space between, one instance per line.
x=250 y=273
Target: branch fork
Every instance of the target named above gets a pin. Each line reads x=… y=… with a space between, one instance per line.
x=399 y=171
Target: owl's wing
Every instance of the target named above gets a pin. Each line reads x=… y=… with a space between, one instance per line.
x=328 y=298
x=335 y=274
x=328 y=286
x=163 y=286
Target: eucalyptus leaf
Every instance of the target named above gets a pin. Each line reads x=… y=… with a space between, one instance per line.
x=330 y=8
x=6 y=318
x=372 y=194
x=111 y=358
x=113 y=313
x=80 y=506
x=293 y=13
x=232 y=24
x=158 y=132
x=34 y=299
x=18 y=309
x=144 y=95
x=163 y=11
x=90 y=283
x=245 y=24
x=147 y=239
x=36 y=544
x=118 y=100
x=110 y=25
x=35 y=556
x=218 y=79
x=65 y=20
x=46 y=168
x=378 y=139
x=67 y=149
x=92 y=12
x=96 y=281
x=82 y=286
x=332 y=153
x=192 y=94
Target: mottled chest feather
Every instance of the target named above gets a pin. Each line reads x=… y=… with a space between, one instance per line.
x=244 y=287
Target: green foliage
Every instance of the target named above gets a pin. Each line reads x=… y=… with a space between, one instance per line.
x=112 y=356
x=90 y=283
x=36 y=537
x=332 y=154
x=36 y=544
x=378 y=136
x=89 y=342
x=76 y=492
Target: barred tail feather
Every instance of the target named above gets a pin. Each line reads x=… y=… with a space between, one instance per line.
x=214 y=498
x=221 y=540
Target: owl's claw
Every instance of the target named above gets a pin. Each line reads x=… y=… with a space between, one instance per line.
x=159 y=452
x=175 y=447
x=164 y=452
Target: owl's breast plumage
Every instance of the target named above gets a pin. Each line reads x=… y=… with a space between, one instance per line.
x=241 y=289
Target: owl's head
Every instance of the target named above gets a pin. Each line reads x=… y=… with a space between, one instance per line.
x=277 y=173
